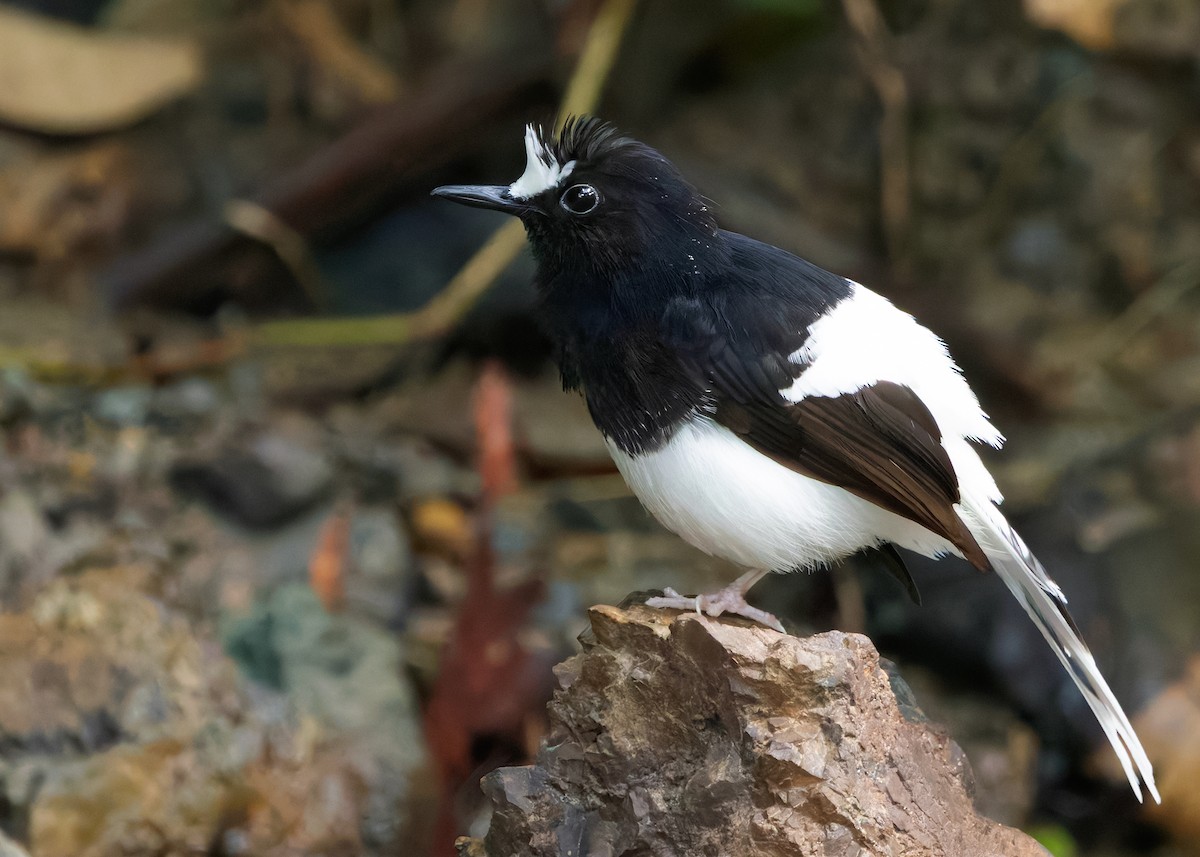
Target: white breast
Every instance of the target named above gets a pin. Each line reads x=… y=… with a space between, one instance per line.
x=731 y=501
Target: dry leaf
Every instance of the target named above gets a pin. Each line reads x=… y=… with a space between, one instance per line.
x=1089 y=22
x=327 y=566
x=53 y=206
x=493 y=407
x=57 y=78
x=442 y=525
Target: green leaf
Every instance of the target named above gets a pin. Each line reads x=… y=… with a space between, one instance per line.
x=1056 y=839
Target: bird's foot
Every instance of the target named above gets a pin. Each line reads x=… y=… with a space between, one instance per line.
x=731 y=599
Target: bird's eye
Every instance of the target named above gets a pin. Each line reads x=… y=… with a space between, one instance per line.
x=580 y=199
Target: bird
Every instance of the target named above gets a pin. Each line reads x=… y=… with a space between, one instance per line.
x=767 y=411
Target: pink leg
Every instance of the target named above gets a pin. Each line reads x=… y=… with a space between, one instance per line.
x=731 y=599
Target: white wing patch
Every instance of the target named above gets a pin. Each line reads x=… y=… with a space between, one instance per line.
x=542 y=171
x=864 y=340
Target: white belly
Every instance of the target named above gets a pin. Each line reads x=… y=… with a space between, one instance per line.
x=731 y=501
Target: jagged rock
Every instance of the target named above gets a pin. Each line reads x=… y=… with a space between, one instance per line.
x=686 y=735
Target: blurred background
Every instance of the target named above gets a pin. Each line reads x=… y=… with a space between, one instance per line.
x=294 y=516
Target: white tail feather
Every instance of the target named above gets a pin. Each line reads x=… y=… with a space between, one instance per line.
x=1044 y=602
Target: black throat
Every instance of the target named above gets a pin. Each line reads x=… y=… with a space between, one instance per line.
x=641 y=340
x=607 y=325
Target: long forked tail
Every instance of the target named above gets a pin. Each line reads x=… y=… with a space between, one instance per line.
x=1044 y=602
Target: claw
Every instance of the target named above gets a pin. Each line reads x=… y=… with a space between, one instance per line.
x=672 y=600
x=731 y=599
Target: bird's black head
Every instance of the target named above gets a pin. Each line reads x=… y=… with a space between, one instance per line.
x=596 y=203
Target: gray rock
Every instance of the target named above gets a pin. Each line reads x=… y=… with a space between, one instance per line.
x=378 y=585
x=348 y=675
x=190 y=397
x=261 y=482
x=341 y=670
x=123 y=406
x=379 y=548
x=24 y=536
x=16 y=395
x=301 y=473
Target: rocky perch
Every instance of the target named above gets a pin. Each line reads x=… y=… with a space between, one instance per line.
x=682 y=735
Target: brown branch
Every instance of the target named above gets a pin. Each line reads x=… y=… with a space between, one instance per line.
x=263 y=225
x=432 y=320
x=480 y=271
x=337 y=188
x=597 y=58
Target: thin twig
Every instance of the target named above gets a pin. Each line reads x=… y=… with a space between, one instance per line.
x=339 y=186
x=433 y=319
x=260 y=223
x=851 y=602
x=592 y=70
x=596 y=60
x=471 y=281
x=876 y=55
x=1156 y=301
x=1022 y=156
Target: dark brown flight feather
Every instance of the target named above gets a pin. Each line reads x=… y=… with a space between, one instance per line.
x=880 y=444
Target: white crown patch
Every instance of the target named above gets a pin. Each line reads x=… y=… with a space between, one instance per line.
x=542 y=171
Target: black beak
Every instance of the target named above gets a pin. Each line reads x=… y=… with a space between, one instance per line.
x=481 y=196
